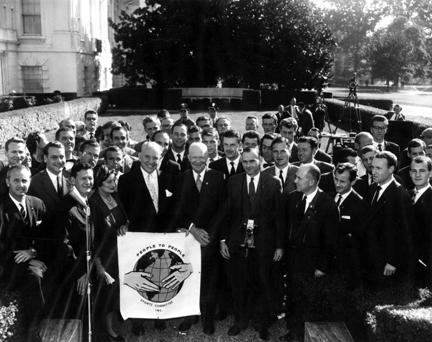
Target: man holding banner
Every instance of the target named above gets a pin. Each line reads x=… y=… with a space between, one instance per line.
x=199 y=207
x=252 y=241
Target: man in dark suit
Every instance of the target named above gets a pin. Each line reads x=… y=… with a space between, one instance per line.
x=306 y=121
x=307 y=147
x=282 y=168
x=352 y=211
x=177 y=152
x=379 y=127
x=210 y=138
x=265 y=149
x=20 y=267
x=146 y=195
x=15 y=150
x=320 y=154
x=312 y=219
x=288 y=129
x=363 y=184
x=388 y=223
x=421 y=172
x=230 y=164
x=252 y=241
x=416 y=147
x=200 y=207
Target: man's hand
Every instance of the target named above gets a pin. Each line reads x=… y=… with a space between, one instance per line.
x=37 y=267
x=319 y=274
x=139 y=282
x=224 y=250
x=82 y=285
x=278 y=254
x=122 y=230
x=108 y=279
x=200 y=235
x=389 y=270
x=23 y=255
x=177 y=277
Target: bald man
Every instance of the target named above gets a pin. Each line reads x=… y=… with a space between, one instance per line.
x=146 y=194
x=312 y=219
x=199 y=206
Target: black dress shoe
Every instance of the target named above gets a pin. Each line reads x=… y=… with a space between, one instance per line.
x=208 y=328
x=159 y=324
x=263 y=334
x=138 y=329
x=235 y=330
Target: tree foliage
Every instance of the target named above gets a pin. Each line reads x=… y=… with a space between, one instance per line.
x=399 y=52
x=244 y=42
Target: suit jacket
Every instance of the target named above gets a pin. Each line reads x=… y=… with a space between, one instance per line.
x=42 y=187
x=422 y=231
x=70 y=221
x=306 y=121
x=169 y=166
x=288 y=113
x=138 y=203
x=312 y=239
x=265 y=211
x=294 y=156
x=205 y=208
x=324 y=167
x=184 y=165
x=221 y=166
x=392 y=147
x=322 y=156
x=17 y=233
x=352 y=213
x=389 y=224
x=289 y=184
x=405 y=177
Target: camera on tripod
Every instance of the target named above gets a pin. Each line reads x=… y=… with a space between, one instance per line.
x=352 y=85
x=249 y=238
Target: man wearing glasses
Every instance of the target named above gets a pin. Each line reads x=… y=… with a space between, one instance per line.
x=379 y=129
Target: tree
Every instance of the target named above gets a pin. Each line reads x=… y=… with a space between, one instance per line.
x=244 y=42
x=399 y=52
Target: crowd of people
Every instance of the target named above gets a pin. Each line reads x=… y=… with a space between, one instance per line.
x=273 y=213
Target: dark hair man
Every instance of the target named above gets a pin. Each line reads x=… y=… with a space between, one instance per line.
x=307 y=147
x=250 y=139
x=379 y=129
x=230 y=163
x=269 y=123
x=90 y=119
x=416 y=147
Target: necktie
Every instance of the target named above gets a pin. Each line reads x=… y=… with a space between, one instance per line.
x=251 y=190
x=23 y=212
x=380 y=147
x=59 y=186
x=281 y=178
x=232 y=171
x=376 y=194
x=198 y=183
x=179 y=160
x=338 y=199
x=153 y=192
x=301 y=208
x=414 y=195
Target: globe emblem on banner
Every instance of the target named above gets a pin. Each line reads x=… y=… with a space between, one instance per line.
x=158 y=263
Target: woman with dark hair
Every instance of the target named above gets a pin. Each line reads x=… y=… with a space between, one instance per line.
x=109 y=220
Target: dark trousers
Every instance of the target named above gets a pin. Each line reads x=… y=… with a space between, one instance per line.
x=250 y=281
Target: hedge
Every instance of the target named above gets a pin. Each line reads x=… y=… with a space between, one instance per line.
x=45 y=118
x=411 y=322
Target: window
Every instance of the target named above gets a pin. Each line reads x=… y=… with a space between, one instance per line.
x=32 y=79
x=31 y=14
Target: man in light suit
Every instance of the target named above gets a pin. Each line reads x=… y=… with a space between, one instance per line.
x=389 y=226
x=20 y=266
x=421 y=172
x=200 y=206
x=252 y=241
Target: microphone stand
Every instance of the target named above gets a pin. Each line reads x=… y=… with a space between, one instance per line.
x=88 y=259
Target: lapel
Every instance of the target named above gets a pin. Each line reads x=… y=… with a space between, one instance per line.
x=190 y=182
x=49 y=186
x=311 y=210
x=205 y=181
x=382 y=200
x=30 y=212
x=246 y=205
x=11 y=211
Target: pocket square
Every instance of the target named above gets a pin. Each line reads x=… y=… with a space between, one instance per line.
x=345 y=217
x=38 y=222
x=168 y=193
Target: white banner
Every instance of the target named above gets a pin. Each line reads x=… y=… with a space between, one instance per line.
x=160 y=275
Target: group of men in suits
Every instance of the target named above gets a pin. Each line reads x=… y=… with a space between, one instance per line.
x=259 y=206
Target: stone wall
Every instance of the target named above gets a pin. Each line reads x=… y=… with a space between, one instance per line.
x=43 y=118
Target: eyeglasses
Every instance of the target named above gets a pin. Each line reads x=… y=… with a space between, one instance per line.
x=380 y=128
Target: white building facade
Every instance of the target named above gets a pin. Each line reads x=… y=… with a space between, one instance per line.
x=48 y=45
